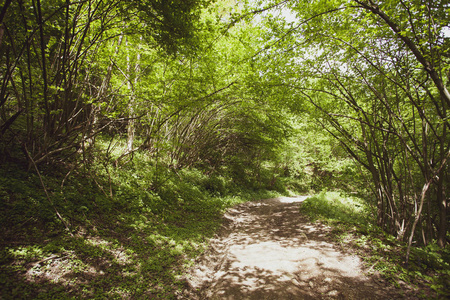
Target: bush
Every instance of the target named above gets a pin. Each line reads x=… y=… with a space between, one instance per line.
x=334 y=206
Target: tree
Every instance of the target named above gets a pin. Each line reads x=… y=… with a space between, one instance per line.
x=378 y=86
x=50 y=79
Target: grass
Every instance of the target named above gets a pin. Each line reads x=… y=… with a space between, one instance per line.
x=335 y=207
x=352 y=221
x=132 y=230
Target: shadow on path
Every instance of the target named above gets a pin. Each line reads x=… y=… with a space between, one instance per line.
x=268 y=250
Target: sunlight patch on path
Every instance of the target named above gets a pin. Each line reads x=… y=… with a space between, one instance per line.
x=277 y=258
x=297 y=199
x=268 y=250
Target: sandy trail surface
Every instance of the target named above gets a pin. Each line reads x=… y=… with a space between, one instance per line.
x=268 y=250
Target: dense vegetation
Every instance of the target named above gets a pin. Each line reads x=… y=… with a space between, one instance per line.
x=127 y=127
x=353 y=228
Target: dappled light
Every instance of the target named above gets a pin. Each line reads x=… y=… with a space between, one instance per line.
x=96 y=260
x=136 y=135
x=268 y=250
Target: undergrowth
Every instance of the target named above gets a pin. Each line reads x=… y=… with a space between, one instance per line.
x=131 y=231
x=352 y=221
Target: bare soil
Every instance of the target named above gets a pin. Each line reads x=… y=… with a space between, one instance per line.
x=268 y=250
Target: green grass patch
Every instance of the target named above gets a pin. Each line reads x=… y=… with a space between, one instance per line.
x=337 y=207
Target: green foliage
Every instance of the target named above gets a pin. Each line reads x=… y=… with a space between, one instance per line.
x=139 y=152
x=432 y=265
x=350 y=79
x=312 y=160
x=335 y=207
x=172 y=24
x=134 y=229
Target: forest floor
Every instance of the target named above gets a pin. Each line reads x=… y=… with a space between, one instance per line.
x=269 y=250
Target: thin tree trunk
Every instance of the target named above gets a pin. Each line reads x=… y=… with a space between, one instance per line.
x=131 y=84
x=417 y=218
x=441 y=196
x=47 y=123
x=2 y=15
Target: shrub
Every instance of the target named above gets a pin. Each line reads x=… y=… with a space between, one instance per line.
x=334 y=206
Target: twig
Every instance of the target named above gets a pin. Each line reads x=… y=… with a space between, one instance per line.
x=45 y=190
x=370 y=269
x=48 y=258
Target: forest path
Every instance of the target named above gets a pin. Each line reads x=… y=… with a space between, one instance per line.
x=268 y=250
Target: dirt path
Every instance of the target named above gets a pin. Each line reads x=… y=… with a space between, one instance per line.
x=268 y=250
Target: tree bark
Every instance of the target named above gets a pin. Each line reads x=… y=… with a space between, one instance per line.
x=371 y=6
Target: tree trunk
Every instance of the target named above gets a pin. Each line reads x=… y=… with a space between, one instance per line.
x=441 y=188
x=442 y=202
x=132 y=103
